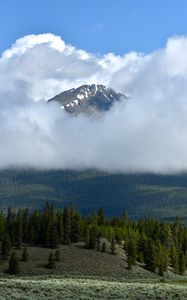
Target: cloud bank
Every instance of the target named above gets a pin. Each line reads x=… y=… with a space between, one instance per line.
x=149 y=134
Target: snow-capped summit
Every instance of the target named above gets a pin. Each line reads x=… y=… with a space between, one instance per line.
x=88 y=99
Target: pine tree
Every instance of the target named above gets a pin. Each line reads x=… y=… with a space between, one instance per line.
x=86 y=235
x=165 y=259
x=31 y=234
x=57 y=255
x=129 y=263
x=113 y=246
x=18 y=235
x=53 y=237
x=150 y=256
x=161 y=270
x=60 y=226
x=37 y=225
x=182 y=263
x=132 y=251
x=174 y=259
x=103 y=248
x=101 y=217
x=75 y=227
x=51 y=262
x=66 y=226
x=140 y=257
x=25 y=226
x=25 y=255
x=5 y=246
x=13 y=264
x=2 y=226
x=92 y=218
x=93 y=237
x=125 y=218
x=10 y=225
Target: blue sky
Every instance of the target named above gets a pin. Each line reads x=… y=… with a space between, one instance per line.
x=98 y=26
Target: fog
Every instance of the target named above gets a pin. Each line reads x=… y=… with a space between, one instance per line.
x=146 y=134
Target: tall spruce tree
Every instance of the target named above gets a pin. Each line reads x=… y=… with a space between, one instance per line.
x=66 y=226
x=5 y=246
x=51 y=261
x=18 y=235
x=182 y=263
x=11 y=224
x=132 y=251
x=103 y=248
x=113 y=246
x=57 y=256
x=25 y=255
x=2 y=225
x=174 y=258
x=13 y=264
x=101 y=217
x=75 y=227
x=150 y=256
x=53 y=236
x=93 y=237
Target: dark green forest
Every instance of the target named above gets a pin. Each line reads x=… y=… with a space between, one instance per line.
x=155 y=244
x=143 y=195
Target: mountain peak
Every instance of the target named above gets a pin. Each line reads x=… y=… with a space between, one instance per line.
x=88 y=99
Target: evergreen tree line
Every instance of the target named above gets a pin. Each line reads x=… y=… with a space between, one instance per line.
x=155 y=244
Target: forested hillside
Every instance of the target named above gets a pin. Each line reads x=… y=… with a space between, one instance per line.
x=157 y=246
x=140 y=195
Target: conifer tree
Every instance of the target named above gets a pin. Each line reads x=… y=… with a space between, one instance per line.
x=101 y=217
x=25 y=255
x=57 y=255
x=86 y=235
x=10 y=225
x=103 y=248
x=66 y=226
x=150 y=256
x=18 y=235
x=113 y=246
x=53 y=237
x=174 y=258
x=51 y=262
x=182 y=263
x=59 y=226
x=75 y=227
x=129 y=262
x=5 y=246
x=13 y=264
x=125 y=218
x=2 y=226
x=31 y=234
x=161 y=270
x=132 y=250
x=140 y=257
x=25 y=226
x=93 y=237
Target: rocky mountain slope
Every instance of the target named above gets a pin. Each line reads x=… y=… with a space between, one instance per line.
x=88 y=99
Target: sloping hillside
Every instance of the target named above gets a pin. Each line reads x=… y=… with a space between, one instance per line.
x=140 y=195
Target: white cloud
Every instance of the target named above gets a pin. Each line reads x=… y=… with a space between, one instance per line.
x=147 y=134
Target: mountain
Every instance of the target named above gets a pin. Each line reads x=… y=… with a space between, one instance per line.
x=142 y=195
x=88 y=99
